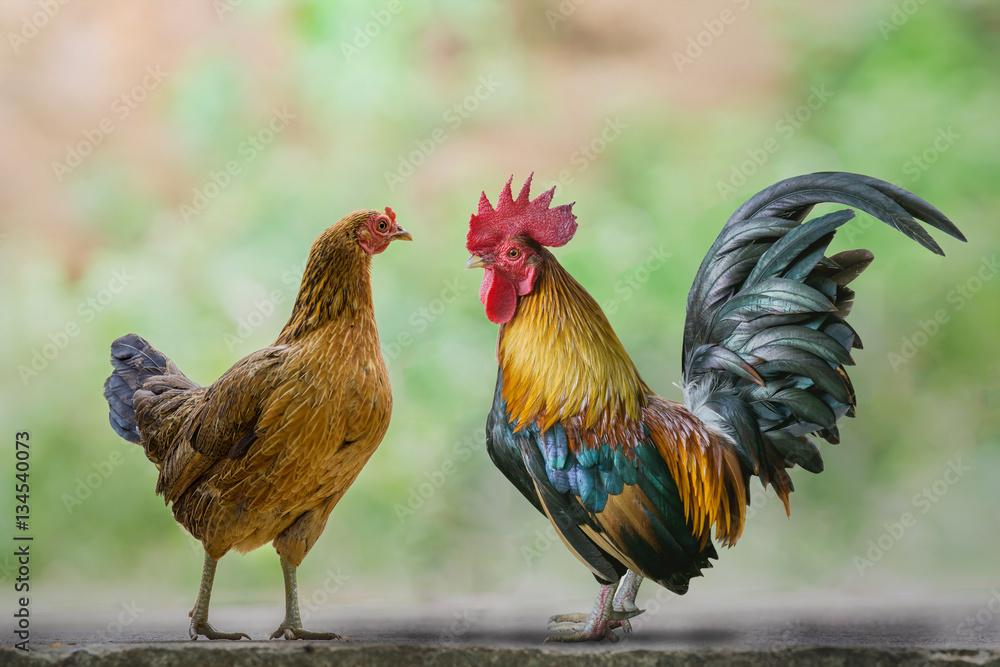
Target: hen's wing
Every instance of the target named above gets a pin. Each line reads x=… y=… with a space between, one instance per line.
x=216 y=422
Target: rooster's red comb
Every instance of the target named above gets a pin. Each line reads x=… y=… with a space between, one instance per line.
x=523 y=216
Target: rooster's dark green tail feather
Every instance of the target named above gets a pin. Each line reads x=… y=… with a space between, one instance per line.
x=766 y=340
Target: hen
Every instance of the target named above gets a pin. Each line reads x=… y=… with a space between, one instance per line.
x=265 y=452
x=634 y=483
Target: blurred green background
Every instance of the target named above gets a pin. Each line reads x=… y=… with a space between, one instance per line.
x=656 y=118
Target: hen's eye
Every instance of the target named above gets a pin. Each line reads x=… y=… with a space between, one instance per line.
x=382 y=225
x=513 y=253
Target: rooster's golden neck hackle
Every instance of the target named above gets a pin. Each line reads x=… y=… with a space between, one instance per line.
x=634 y=483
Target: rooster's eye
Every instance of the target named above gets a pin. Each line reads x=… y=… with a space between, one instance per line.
x=382 y=225
x=513 y=253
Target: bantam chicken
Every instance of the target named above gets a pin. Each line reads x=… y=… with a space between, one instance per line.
x=265 y=452
x=632 y=482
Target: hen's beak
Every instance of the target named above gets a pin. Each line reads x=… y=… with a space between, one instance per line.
x=402 y=235
x=475 y=262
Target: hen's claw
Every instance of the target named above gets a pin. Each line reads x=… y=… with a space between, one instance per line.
x=289 y=632
x=199 y=614
x=205 y=629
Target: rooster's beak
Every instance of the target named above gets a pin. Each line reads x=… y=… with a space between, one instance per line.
x=402 y=235
x=475 y=262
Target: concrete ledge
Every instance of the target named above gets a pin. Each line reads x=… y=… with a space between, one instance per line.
x=307 y=654
x=500 y=631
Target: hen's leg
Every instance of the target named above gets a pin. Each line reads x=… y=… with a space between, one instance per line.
x=625 y=599
x=199 y=615
x=599 y=625
x=291 y=627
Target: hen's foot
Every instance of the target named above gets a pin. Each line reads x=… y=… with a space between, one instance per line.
x=199 y=615
x=290 y=632
x=205 y=629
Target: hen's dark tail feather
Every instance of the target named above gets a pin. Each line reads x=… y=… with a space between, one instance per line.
x=134 y=360
x=766 y=338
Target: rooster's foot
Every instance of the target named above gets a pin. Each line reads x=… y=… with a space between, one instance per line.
x=600 y=624
x=582 y=632
x=584 y=628
x=624 y=601
x=622 y=613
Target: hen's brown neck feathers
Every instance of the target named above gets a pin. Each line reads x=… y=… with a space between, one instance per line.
x=336 y=283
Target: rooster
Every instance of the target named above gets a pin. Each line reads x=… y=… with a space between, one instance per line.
x=634 y=483
x=265 y=452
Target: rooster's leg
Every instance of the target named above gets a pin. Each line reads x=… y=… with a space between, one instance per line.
x=291 y=627
x=625 y=599
x=199 y=615
x=599 y=625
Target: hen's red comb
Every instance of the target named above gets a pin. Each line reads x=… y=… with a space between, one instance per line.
x=551 y=227
x=392 y=214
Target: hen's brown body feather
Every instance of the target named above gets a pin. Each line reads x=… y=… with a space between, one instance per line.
x=265 y=453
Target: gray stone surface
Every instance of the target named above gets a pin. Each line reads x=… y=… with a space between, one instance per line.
x=807 y=630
